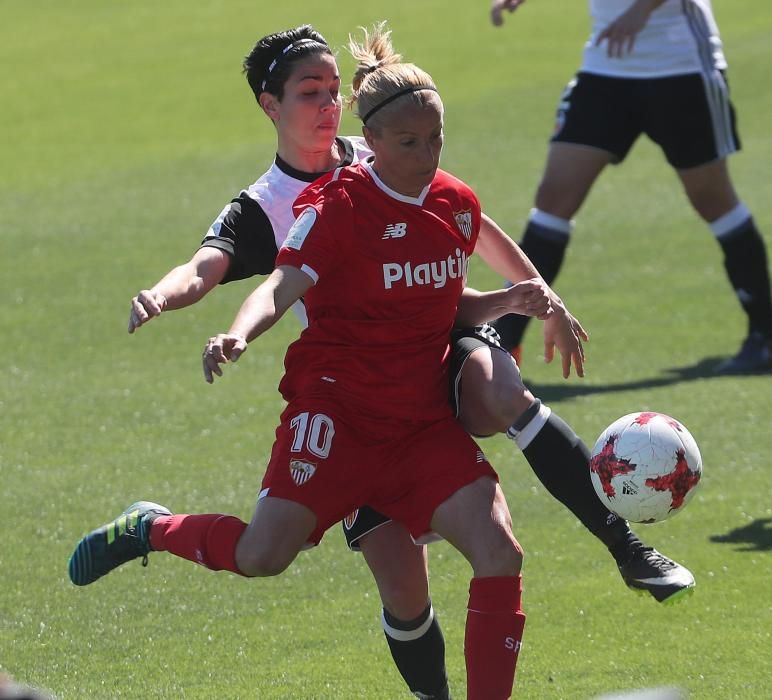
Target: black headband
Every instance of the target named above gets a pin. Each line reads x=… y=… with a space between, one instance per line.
x=406 y=91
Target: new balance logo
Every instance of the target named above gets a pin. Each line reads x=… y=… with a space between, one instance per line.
x=394 y=231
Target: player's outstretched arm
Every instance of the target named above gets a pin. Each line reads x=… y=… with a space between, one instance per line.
x=182 y=286
x=260 y=310
x=499 y=6
x=621 y=33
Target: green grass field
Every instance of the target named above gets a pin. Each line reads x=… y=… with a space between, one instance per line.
x=125 y=129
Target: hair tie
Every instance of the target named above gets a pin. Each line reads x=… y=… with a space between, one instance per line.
x=406 y=91
x=372 y=69
x=283 y=52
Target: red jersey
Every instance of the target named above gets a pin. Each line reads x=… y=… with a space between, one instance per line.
x=388 y=272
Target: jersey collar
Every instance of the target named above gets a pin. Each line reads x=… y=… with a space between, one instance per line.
x=348 y=158
x=418 y=201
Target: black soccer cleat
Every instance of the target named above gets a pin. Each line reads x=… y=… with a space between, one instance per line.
x=106 y=548
x=647 y=571
x=755 y=355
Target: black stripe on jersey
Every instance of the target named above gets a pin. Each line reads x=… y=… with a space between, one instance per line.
x=287 y=169
x=247 y=236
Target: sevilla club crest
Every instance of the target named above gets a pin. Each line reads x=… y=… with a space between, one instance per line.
x=301 y=471
x=464 y=222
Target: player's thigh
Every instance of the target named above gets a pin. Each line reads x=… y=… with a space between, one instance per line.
x=692 y=119
x=428 y=465
x=322 y=459
x=476 y=521
x=709 y=189
x=597 y=123
x=399 y=567
x=493 y=395
x=279 y=529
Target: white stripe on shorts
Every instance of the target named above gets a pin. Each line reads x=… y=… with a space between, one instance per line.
x=716 y=91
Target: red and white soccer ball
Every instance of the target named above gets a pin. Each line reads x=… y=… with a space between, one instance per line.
x=645 y=467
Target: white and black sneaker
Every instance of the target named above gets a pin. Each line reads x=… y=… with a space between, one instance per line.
x=648 y=571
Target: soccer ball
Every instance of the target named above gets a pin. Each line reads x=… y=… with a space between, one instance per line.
x=645 y=467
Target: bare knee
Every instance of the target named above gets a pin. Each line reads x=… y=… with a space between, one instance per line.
x=493 y=395
x=399 y=568
x=404 y=599
x=262 y=562
x=568 y=176
x=709 y=189
x=711 y=205
x=553 y=198
x=502 y=557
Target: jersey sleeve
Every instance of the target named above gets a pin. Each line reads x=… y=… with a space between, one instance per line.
x=318 y=238
x=244 y=232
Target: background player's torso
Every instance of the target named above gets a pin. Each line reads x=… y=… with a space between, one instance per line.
x=680 y=37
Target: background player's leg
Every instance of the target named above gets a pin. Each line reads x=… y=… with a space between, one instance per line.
x=413 y=633
x=476 y=521
x=712 y=195
x=568 y=177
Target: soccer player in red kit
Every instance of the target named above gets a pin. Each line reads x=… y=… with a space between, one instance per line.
x=379 y=253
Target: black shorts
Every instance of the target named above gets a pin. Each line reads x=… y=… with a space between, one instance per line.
x=689 y=116
x=464 y=341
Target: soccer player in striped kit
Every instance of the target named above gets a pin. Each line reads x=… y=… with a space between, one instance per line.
x=653 y=67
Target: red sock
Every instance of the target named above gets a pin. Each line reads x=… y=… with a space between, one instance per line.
x=494 y=630
x=209 y=540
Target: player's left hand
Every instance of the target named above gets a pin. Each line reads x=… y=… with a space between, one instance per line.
x=222 y=348
x=564 y=332
x=530 y=298
x=498 y=7
x=621 y=33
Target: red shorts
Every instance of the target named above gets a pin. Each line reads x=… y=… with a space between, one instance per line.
x=334 y=464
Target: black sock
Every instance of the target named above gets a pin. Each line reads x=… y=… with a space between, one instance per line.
x=546 y=248
x=561 y=461
x=745 y=261
x=418 y=649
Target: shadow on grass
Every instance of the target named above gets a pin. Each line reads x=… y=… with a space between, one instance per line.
x=756 y=535
x=704 y=369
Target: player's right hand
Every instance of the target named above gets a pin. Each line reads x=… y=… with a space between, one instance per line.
x=146 y=305
x=498 y=7
x=219 y=349
x=620 y=35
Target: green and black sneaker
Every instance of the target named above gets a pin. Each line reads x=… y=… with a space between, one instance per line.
x=106 y=548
